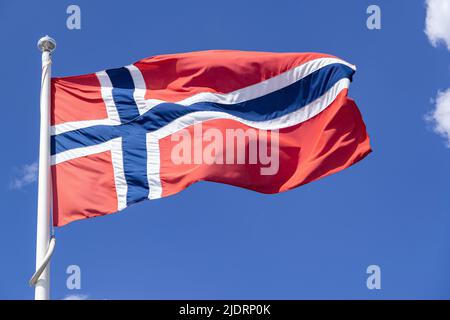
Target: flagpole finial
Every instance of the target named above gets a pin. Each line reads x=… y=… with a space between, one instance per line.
x=46 y=44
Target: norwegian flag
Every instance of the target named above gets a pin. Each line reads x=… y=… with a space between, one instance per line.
x=152 y=128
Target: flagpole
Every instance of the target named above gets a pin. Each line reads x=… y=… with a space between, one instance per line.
x=42 y=287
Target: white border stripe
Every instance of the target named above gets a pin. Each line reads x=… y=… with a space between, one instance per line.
x=75 y=125
x=119 y=174
x=139 y=88
x=153 y=166
x=261 y=88
x=288 y=120
x=107 y=95
x=80 y=152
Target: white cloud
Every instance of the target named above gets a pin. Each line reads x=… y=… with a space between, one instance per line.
x=76 y=297
x=440 y=116
x=437 y=24
x=27 y=174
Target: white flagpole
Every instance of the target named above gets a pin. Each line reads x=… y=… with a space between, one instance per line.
x=42 y=288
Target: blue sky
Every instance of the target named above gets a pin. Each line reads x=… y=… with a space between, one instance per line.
x=216 y=241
